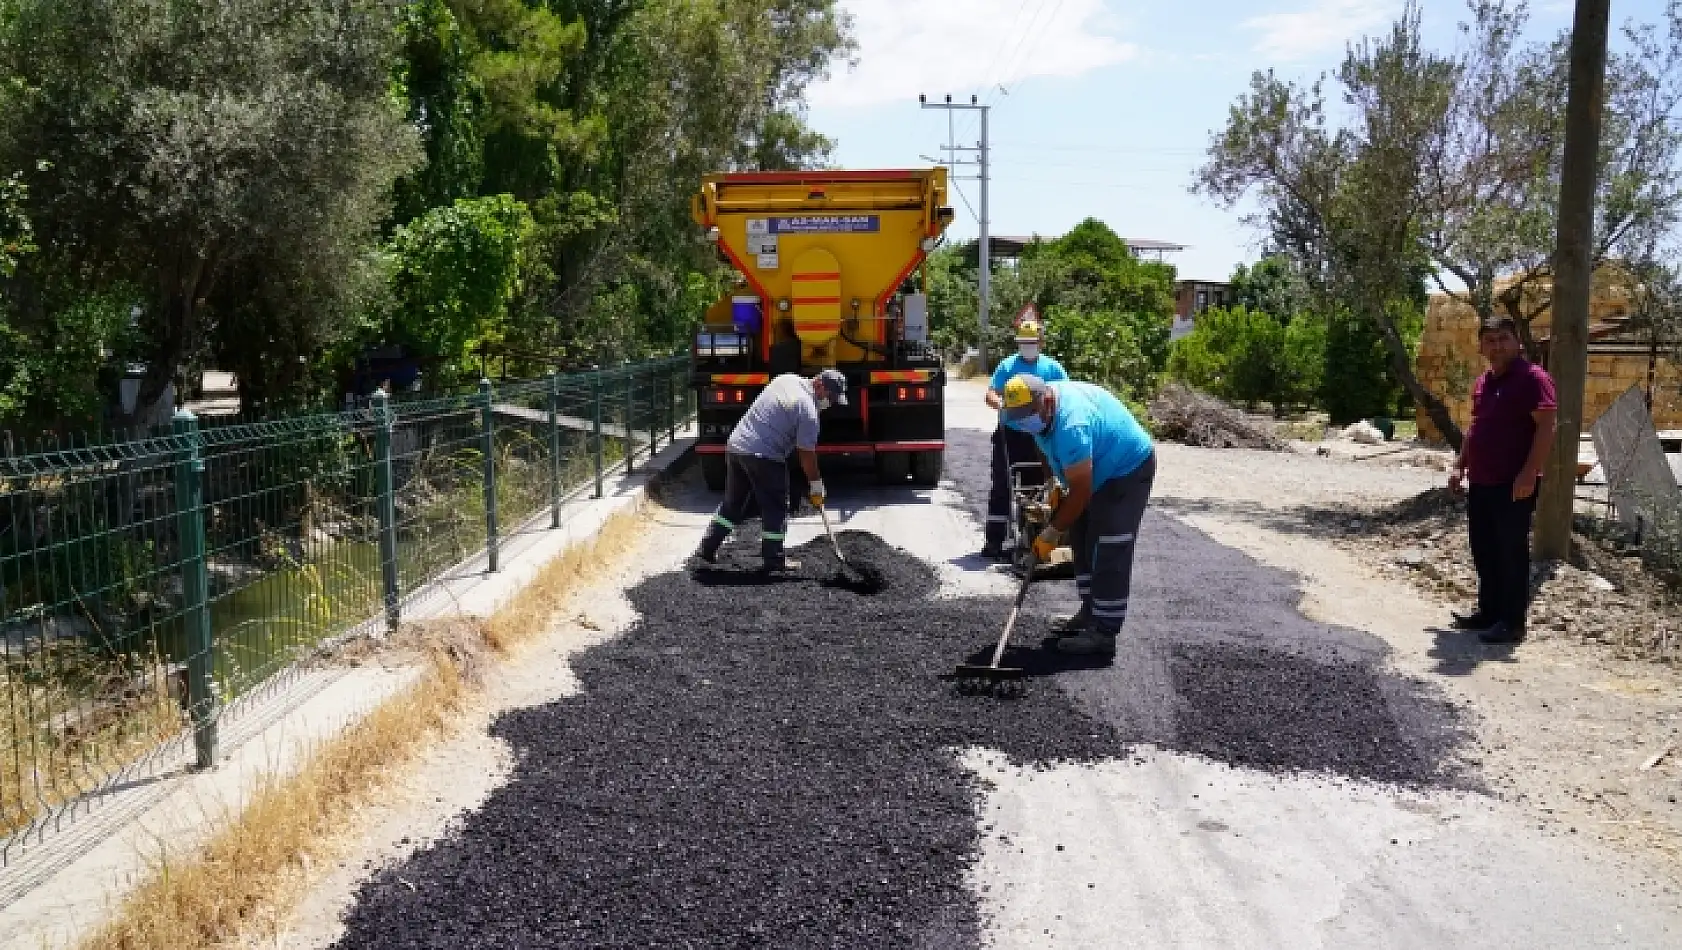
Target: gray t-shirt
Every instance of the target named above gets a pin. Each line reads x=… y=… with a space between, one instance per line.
x=784 y=417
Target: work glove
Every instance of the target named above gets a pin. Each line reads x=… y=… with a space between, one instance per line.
x=1056 y=496
x=1046 y=543
x=815 y=493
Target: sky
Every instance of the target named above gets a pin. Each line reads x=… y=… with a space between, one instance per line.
x=1101 y=108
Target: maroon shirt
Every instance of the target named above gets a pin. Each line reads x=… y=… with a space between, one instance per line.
x=1502 y=427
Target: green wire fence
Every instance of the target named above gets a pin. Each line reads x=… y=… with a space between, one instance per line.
x=151 y=587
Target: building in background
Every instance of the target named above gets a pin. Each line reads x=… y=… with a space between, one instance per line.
x=1620 y=356
x=1192 y=297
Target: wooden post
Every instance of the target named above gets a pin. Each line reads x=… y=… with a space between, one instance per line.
x=1573 y=273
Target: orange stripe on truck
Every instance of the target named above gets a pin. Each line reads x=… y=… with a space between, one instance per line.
x=836 y=276
x=901 y=376
x=741 y=379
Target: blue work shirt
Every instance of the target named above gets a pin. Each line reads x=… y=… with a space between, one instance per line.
x=1044 y=367
x=1091 y=423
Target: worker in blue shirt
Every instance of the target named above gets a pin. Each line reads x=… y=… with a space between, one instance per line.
x=1011 y=447
x=1105 y=463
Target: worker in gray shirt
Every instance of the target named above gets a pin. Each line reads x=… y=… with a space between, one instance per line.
x=782 y=421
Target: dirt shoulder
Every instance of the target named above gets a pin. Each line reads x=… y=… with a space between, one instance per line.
x=1564 y=725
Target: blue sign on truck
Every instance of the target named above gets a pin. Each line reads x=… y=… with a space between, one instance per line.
x=827 y=223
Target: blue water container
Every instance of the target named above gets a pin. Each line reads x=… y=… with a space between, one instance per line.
x=745 y=314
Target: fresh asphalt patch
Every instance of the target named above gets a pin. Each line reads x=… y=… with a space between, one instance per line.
x=772 y=761
x=756 y=762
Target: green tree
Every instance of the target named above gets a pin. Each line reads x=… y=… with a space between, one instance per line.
x=16 y=234
x=1345 y=203
x=190 y=143
x=454 y=273
x=1273 y=285
x=1303 y=379
x=1110 y=348
x=1491 y=181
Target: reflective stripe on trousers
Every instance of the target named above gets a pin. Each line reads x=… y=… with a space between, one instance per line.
x=1103 y=542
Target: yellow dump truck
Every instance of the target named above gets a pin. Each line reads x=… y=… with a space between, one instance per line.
x=828 y=277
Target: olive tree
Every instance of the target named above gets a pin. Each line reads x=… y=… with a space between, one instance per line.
x=214 y=155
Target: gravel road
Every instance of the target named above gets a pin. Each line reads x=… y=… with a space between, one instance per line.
x=789 y=765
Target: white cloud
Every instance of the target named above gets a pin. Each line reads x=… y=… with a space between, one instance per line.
x=907 y=47
x=1327 y=25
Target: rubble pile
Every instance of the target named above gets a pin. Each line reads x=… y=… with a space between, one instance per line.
x=1600 y=596
x=1182 y=414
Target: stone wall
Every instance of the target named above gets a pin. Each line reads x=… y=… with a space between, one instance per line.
x=1448 y=364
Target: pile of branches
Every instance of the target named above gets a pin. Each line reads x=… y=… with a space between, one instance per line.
x=1182 y=414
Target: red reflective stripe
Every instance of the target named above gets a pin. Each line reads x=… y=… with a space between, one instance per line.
x=798 y=301
x=711 y=449
x=817 y=276
x=910 y=446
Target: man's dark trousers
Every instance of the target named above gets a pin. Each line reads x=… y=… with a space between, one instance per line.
x=1010 y=447
x=1500 y=535
x=1103 y=540
x=752 y=483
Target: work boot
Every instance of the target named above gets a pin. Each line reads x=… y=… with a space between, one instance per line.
x=1065 y=625
x=1471 y=621
x=1088 y=643
x=1503 y=632
x=993 y=551
x=781 y=565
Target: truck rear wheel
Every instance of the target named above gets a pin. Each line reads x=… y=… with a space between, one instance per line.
x=712 y=471
x=925 y=468
x=892 y=468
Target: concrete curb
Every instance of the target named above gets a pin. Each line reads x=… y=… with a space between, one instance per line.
x=55 y=892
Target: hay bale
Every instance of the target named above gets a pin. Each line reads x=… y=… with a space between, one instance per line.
x=1182 y=414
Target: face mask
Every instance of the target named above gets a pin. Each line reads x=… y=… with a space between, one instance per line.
x=1029 y=351
x=823 y=403
x=1033 y=425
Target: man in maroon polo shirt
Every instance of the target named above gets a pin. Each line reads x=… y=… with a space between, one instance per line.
x=1501 y=459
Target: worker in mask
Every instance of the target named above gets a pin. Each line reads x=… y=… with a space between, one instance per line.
x=782 y=421
x=1106 y=463
x=1011 y=447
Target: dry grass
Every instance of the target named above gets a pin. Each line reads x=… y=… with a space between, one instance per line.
x=252 y=871
x=530 y=613
x=70 y=719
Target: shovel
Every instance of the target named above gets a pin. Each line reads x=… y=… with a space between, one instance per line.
x=845 y=567
x=993 y=672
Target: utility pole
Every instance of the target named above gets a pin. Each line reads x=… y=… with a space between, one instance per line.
x=1573 y=279
x=984 y=281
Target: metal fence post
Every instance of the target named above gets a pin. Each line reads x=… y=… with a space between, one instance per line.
x=554 y=450
x=630 y=418
x=653 y=415
x=671 y=406
x=487 y=441
x=386 y=506
x=195 y=589
x=596 y=423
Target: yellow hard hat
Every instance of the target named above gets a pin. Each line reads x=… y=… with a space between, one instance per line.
x=1029 y=331
x=1020 y=392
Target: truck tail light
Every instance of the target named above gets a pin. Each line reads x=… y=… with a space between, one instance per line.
x=913 y=393
x=727 y=396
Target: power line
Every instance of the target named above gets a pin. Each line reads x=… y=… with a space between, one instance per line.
x=990 y=73
x=996 y=83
